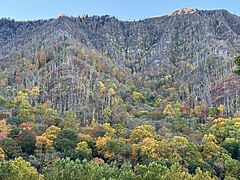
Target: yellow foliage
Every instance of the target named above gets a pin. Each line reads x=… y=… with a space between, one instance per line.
x=51 y=132
x=43 y=142
x=84 y=137
x=180 y=142
x=22 y=96
x=225 y=128
x=141 y=132
x=221 y=108
x=23 y=170
x=111 y=91
x=237 y=125
x=209 y=137
x=149 y=147
x=2 y=155
x=101 y=145
x=167 y=108
x=218 y=123
x=137 y=96
x=3 y=126
x=210 y=148
x=83 y=146
x=110 y=132
x=101 y=86
x=34 y=91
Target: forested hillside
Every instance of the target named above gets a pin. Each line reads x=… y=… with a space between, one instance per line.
x=93 y=97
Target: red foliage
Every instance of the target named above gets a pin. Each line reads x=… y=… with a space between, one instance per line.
x=216 y=117
x=3 y=135
x=24 y=125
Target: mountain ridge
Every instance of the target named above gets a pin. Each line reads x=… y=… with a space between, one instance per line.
x=194 y=48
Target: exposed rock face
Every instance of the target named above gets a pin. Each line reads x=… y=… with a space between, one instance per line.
x=195 y=48
x=183 y=11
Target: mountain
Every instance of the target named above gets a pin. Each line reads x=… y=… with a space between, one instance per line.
x=96 y=65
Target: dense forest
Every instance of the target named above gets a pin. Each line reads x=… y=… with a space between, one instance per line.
x=38 y=143
x=94 y=97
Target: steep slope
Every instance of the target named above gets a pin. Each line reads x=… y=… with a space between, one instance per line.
x=184 y=56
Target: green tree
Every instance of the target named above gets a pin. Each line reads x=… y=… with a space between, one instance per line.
x=150 y=171
x=231 y=167
x=70 y=120
x=107 y=114
x=45 y=114
x=237 y=62
x=212 y=111
x=3 y=101
x=10 y=148
x=73 y=170
x=13 y=133
x=176 y=173
x=18 y=169
x=172 y=110
x=26 y=139
x=199 y=175
x=66 y=139
x=25 y=111
x=233 y=147
x=119 y=148
x=16 y=120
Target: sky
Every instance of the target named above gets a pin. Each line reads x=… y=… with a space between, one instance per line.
x=122 y=9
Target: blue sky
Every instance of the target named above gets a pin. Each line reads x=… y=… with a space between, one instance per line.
x=122 y=9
